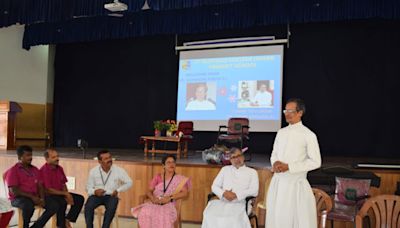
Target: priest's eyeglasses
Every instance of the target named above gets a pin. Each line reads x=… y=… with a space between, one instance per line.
x=289 y=111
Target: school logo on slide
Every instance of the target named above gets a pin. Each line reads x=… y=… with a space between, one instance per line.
x=185 y=64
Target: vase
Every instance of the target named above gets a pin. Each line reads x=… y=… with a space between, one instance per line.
x=157 y=133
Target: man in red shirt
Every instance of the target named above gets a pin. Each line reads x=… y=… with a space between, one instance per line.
x=26 y=191
x=54 y=180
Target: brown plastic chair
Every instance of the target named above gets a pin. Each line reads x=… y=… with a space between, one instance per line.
x=386 y=211
x=324 y=206
x=178 y=206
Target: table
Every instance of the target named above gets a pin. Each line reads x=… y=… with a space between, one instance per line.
x=154 y=139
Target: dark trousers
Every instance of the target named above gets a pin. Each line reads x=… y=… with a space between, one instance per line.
x=73 y=211
x=28 y=207
x=110 y=202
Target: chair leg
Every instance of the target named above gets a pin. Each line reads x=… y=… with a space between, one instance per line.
x=20 y=219
x=54 y=221
x=99 y=213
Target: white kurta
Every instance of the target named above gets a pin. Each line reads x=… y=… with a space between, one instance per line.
x=222 y=213
x=290 y=200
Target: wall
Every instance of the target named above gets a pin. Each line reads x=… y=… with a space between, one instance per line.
x=27 y=77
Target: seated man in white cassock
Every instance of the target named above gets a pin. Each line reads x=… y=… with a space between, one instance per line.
x=232 y=185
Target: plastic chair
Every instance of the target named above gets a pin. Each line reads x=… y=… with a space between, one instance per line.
x=385 y=210
x=324 y=206
x=236 y=132
x=178 y=206
x=350 y=194
x=250 y=201
x=38 y=208
x=99 y=212
x=5 y=218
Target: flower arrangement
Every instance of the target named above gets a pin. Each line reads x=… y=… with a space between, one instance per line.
x=172 y=126
x=165 y=125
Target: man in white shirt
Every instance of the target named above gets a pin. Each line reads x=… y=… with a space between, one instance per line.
x=263 y=97
x=232 y=185
x=105 y=182
x=290 y=200
x=201 y=102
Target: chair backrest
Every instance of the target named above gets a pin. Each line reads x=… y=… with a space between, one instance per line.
x=349 y=190
x=324 y=206
x=186 y=127
x=235 y=126
x=178 y=205
x=385 y=208
x=4 y=191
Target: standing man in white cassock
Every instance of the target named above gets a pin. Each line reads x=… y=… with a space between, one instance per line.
x=232 y=185
x=290 y=200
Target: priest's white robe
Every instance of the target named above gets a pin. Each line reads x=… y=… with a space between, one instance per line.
x=290 y=200
x=222 y=213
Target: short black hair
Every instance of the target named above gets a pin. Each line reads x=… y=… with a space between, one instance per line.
x=102 y=152
x=164 y=159
x=300 y=105
x=22 y=149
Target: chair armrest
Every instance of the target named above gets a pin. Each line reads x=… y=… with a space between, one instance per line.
x=249 y=198
x=362 y=197
x=210 y=196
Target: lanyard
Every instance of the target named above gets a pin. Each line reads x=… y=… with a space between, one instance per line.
x=102 y=179
x=165 y=188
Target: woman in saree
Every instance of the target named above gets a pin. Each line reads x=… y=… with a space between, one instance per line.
x=164 y=190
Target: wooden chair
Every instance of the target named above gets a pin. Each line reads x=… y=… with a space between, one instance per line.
x=178 y=206
x=385 y=211
x=324 y=206
x=99 y=212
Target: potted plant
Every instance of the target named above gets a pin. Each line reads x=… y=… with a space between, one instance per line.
x=160 y=126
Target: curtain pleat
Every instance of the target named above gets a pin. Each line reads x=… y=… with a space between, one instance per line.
x=185 y=17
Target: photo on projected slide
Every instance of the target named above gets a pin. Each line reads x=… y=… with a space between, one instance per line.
x=201 y=96
x=256 y=94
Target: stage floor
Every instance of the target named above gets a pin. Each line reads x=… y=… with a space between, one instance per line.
x=195 y=157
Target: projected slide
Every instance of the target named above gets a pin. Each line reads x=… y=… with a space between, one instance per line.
x=215 y=85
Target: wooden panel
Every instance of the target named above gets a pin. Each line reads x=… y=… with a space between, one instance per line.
x=31 y=123
x=35 y=125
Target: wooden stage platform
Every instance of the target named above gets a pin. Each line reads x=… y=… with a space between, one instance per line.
x=142 y=169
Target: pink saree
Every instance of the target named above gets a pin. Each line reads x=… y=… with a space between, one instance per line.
x=160 y=216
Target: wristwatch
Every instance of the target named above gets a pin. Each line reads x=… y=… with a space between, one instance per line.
x=172 y=198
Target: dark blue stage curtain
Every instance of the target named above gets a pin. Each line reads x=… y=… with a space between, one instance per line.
x=49 y=21
x=144 y=23
x=45 y=11
x=182 y=4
